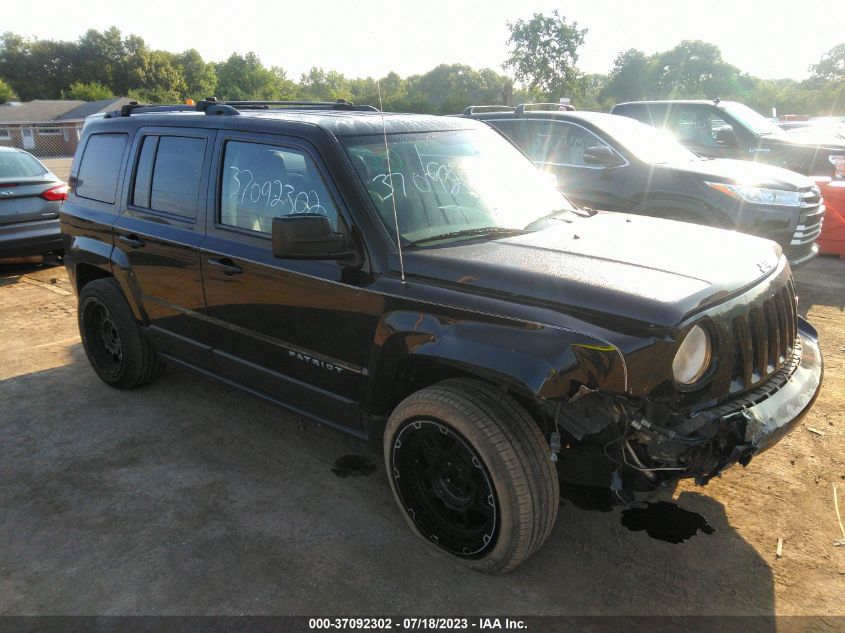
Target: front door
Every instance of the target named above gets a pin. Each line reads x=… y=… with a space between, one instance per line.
x=28 y=138
x=299 y=331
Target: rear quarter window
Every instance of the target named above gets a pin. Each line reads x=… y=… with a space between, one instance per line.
x=100 y=167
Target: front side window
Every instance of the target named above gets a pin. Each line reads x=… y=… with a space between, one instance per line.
x=560 y=143
x=696 y=126
x=464 y=182
x=261 y=182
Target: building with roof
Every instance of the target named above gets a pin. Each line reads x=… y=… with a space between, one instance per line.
x=49 y=128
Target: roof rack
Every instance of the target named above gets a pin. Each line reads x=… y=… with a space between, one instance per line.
x=212 y=106
x=340 y=104
x=544 y=107
x=487 y=108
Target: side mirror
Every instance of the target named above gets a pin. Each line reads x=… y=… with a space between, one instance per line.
x=600 y=155
x=307 y=236
x=726 y=138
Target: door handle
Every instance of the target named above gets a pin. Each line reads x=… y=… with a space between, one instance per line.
x=132 y=240
x=225 y=264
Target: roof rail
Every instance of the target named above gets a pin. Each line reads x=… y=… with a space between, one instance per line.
x=544 y=107
x=340 y=104
x=487 y=108
x=212 y=106
x=207 y=106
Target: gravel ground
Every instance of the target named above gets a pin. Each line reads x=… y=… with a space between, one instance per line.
x=188 y=497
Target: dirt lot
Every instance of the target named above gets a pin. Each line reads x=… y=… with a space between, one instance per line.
x=188 y=497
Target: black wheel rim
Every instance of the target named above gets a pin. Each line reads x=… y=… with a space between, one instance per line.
x=445 y=488
x=103 y=337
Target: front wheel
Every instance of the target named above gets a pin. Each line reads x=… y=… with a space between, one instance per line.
x=472 y=474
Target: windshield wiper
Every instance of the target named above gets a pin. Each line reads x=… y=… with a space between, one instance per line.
x=485 y=230
x=583 y=212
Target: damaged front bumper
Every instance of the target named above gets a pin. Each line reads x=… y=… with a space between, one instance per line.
x=703 y=444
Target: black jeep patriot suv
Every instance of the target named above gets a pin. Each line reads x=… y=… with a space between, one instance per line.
x=417 y=281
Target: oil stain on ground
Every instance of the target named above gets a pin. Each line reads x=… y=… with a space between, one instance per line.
x=666 y=522
x=353 y=466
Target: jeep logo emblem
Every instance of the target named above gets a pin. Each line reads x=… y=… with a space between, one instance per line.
x=764 y=266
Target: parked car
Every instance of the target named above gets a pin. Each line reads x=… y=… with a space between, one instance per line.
x=614 y=163
x=416 y=281
x=30 y=198
x=727 y=129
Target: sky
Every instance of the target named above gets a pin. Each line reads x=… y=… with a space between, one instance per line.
x=772 y=40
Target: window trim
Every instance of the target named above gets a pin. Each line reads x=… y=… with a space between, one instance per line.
x=5 y=134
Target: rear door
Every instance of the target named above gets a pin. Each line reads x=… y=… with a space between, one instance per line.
x=23 y=180
x=159 y=231
x=300 y=331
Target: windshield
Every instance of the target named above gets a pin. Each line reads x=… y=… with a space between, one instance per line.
x=19 y=165
x=752 y=120
x=649 y=144
x=467 y=182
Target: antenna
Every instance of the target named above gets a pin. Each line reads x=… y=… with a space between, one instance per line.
x=392 y=190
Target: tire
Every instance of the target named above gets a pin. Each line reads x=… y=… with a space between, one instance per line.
x=450 y=447
x=116 y=347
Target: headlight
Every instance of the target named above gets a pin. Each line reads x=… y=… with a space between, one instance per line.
x=758 y=195
x=693 y=357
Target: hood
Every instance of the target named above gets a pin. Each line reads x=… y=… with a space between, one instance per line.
x=647 y=269
x=744 y=172
x=814 y=139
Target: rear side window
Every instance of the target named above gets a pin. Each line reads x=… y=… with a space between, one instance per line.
x=168 y=174
x=100 y=166
x=512 y=130
x=19 y=165
x=262 y=182
x=640 y=113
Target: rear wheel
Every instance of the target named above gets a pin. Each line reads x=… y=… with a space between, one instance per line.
x=116 y=347
x=472 y=474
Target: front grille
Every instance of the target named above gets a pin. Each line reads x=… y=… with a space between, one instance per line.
x=809 y=224
x=764 y=338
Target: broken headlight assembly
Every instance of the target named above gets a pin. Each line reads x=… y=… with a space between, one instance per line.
x=693 y=358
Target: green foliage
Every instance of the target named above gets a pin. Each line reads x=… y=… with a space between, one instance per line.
x=544 y=54
x=200 y=76
x=831 y=66
x=93 y=91
x=628 y=79
x=6 y=92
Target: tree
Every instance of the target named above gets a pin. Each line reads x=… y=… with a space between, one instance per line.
x=6 y=92
x=627 y=80
x=244 y=77
x=92 y=91
x=544 y=53
x=831 y=66
x=319 y=85
x=199 y=75
x=692 y=69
